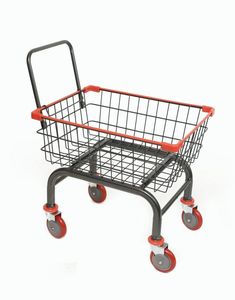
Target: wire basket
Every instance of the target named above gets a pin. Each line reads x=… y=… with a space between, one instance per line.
x=123 y=137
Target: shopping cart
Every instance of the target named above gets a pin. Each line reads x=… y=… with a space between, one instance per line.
x=129 y=142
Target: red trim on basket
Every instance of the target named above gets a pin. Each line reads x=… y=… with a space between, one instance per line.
x=208 y=109
x=91 y=88
x=171 y=147
x=151 y=98
x=37 y=115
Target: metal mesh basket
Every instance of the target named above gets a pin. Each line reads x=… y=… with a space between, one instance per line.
x=123 y=137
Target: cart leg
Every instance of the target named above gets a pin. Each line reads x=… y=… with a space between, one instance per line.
x=93 y=163
x=161 y=257
x=55 y=223
x=51 y=183
x=191 y=217
x=157 y=214
x=188 y=178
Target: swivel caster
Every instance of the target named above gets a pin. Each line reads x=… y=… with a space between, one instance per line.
x=161 y=257
x=191 y=217
x=97 y=192
x=55 y=224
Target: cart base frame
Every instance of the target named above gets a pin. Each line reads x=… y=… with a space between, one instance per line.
x=92 y=177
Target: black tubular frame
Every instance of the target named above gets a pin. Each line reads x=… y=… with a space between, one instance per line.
x=94 y=153
x=32 y=77
x=62 y=173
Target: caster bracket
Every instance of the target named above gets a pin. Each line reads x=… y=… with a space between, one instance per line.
x=159 y=249
x=187 y=208
x=52 y=216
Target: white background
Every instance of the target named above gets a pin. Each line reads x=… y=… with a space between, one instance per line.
x=181 y=50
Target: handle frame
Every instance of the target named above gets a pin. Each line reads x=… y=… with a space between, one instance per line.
x=32 y=77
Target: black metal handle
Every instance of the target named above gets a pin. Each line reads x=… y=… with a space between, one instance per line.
x=31 y=73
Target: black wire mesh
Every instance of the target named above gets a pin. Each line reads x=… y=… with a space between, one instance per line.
x=119 y=158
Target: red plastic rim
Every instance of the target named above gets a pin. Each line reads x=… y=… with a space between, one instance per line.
x=198 y=215
x=171 y=257
x=63 y=226
x=51 y=210
x=103 y=192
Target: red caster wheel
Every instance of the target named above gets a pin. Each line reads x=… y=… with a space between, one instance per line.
x=97 y=193
x=163 y=262
x=192 y=221
x=57 y=227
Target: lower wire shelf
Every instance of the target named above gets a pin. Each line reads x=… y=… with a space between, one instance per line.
x=127 y=163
